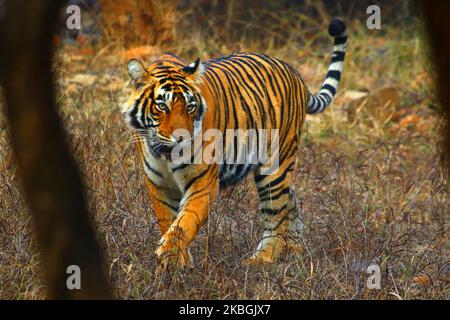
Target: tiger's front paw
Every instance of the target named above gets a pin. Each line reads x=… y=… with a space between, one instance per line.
x=172 y=251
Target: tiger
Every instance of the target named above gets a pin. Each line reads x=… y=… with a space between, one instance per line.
x=242 y=91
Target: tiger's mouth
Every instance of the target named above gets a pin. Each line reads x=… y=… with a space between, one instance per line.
x=160 y=149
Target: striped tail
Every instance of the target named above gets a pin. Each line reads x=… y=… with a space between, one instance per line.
x=318 y=102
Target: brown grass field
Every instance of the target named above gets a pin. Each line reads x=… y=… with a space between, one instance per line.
x=370 y=180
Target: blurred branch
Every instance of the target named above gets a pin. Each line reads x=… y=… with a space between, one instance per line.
x=49 y=176
x=437 y=24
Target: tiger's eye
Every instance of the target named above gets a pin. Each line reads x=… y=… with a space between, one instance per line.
x=191 y=107
x=162 y=107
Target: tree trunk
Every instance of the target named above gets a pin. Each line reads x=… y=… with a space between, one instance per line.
x=438 y=25
x=49 y=176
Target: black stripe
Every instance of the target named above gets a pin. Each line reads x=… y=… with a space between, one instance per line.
x=272 y=212
x=194 y=193
x=134 y=112
x=167 y=87
x=274 y=197
x=144 y=103
x=340 y=40
x=218 y=83
x=335 y=74
x=230 y=94
x=271 y=194
x=201 y=110
x=168 y=205
x=338 y=56
x=182 y=166
x=147 y=165
x=272 y=183
x=330 y=88
x=189 y=184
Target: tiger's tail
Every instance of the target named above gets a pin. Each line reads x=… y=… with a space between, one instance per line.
x=319 y=101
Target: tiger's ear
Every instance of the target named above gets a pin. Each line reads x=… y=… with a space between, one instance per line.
x=194 y=71
x=137 y=72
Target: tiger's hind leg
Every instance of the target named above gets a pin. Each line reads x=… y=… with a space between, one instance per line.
x=296 y=226
x=279 y=214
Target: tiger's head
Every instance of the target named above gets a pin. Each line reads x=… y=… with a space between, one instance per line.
x=165 y=98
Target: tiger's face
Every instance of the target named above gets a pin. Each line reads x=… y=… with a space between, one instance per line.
x=165 y=98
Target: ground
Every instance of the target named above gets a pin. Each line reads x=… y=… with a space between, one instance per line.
x=370 y=181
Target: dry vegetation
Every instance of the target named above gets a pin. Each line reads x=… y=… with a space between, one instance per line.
x=370 y=179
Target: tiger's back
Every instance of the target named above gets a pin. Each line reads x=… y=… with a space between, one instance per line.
x=254 y=91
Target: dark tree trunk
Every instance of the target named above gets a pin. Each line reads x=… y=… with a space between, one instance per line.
x=438 y=26
x=48 y=173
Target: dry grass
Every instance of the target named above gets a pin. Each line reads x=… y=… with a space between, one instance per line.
x=370 y=182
